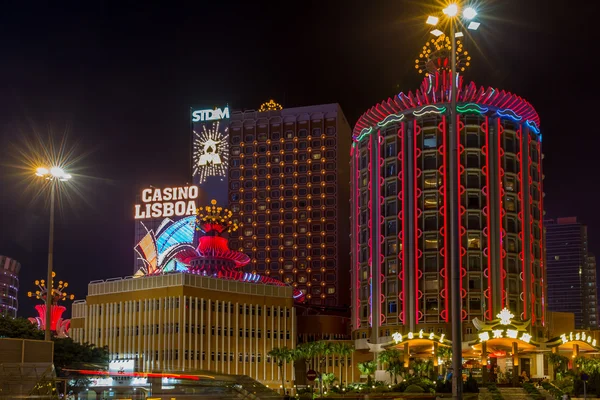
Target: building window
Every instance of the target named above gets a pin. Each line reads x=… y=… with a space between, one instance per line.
x=392 y=307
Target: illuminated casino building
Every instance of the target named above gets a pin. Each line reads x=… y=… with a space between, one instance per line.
x=9 y=286
x=211 y=316
x=288 y=180
x=400 y=271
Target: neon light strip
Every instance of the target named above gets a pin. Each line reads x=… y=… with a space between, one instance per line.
x=429 y=109
x=508 y=113
x=381 y=261
x=501 y=208
x=401 y=158
x=489 y=220
x=371 y=229
x=357 y=226
x=523 y=203
x=472 y=108
x=390 y=119
x=460 y=245
x=416 y=130
x=365 y=132
x=446 y=260
x=532 y=125
x=541 y=229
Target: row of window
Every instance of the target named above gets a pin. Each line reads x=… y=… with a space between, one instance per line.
x=151 y=305
x=274 y=146
x=250 y=136
x=193 y=329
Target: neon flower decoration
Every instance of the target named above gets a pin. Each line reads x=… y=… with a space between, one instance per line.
x=213 y=257
x=57 y=324
x=435 y=56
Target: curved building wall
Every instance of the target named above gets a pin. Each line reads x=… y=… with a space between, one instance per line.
x=400 y=198
x=9 y=286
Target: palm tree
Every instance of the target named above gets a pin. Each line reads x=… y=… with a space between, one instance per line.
x=367 y=368
x=328 y=379
x=445 y=354
x=391 y=357
x=343 y=351
x=281 y=355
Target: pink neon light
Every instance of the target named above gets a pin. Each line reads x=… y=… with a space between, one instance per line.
x=490 y=310
x=357 y=226
x=446 y=260
x=417 y=130
x=541 y=228
x=463 y=292
x=403 y=233
x=381 y=277
x=371 y=228
x=434 y=92
x=522 y=218
x=502 y=211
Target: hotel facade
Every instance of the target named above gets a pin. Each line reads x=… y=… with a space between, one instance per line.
x=188 y=322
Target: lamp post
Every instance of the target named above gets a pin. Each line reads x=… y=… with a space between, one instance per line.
x=54 y=176
x=451 y=13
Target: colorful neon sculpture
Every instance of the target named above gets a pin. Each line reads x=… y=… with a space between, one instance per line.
x=213 y=257
x=58 y=325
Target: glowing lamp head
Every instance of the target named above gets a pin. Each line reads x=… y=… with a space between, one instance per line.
x=473 y=25
x=469 y=13
x=451 y=10
x=436 y=32
x=57 y=172
x=431 y=20
x=41 y=171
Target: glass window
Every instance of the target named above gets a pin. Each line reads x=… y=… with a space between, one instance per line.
x=430 y=141
x=431 y=243
x=431 y=305
x=392 y=307
x=474 y=241
x=431 y=285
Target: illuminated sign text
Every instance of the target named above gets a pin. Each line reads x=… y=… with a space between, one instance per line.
x=167 y=202
x=581 y=336
x=210 y=115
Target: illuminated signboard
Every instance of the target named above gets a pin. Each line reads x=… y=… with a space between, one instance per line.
x=579 y=336
x=399 y=338
x=167 y=202
x=210 y=152
x=210 y=115
x=121 y=366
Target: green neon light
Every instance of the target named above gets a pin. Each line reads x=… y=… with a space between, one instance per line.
x=390 y=119
x=363 y=133
x=471 y=108
x=429 y=109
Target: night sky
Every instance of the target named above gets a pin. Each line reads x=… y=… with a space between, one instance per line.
x=120 y=77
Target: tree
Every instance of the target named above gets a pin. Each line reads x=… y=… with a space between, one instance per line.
x=19 y=328
x=393 y=361
x=281 y=355
x=445 y=354
x=367 y=368
x=328 y=379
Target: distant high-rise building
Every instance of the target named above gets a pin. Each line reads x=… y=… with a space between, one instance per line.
x=288 y=181
x=590 y=291
x=571 y=274
x=9 y=286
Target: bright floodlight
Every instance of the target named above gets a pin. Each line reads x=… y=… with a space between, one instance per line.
x=65 y=177
x=57 y=172
x=469 y=13
x=473 y=25
x=451 y=10
x=41 y=171
x=459 y=34
x=437 y=32
x=431 y=20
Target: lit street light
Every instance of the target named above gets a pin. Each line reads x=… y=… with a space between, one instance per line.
x=451 y=15
x=54 y=176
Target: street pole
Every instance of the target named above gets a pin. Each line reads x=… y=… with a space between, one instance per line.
x=49 y=283
x=454 y=215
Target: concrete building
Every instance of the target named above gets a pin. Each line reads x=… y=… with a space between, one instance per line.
x=288 y=180
x=189 y=322
x=571 y=271
x=9 y=286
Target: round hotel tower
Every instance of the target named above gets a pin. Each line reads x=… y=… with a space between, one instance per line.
x=400 y=269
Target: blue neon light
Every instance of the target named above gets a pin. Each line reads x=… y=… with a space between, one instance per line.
x=177 y=234
x=533 y=126
x=508 y=113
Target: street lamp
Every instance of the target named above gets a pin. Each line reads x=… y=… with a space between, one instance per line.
x=54 y=176
x=452 y=16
